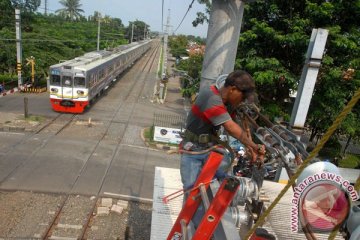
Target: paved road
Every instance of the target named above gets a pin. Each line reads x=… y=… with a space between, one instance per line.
x=108 y=157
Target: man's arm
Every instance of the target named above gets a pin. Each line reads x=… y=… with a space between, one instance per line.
x=237 y=132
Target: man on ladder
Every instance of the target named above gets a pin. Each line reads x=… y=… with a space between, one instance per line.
x=210 y=111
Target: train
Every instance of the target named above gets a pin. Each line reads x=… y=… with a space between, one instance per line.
x=75 y=83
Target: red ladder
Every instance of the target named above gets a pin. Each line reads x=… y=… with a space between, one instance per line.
x=217 y=208
x=214 y=211
x=193 y=201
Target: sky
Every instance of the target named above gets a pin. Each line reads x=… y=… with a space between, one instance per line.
x=148 y=11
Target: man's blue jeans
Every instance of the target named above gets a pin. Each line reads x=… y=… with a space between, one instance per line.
x=190 y=168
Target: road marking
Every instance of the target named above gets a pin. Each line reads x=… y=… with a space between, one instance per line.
x=140 y=147
x=128 y=197
x=15 y=133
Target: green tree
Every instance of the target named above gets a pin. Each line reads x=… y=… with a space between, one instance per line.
x=280 y=32
x=27 y=5
x=272 y=46
x=71 y=10
x=201 y=17
x=27 y=9
x=139 y=28
x=178 y=45
x=191 y=82
x=51 y=39
x=7 y=12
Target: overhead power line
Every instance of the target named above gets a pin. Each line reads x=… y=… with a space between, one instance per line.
x=47 y=9
x=190 y=6
x=162 y=17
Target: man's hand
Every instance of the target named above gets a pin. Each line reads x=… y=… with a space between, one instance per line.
x=257 y=154
x=261 y=149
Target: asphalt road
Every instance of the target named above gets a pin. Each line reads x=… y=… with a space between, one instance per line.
x=108 y=157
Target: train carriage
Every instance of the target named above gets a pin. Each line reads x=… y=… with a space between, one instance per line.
x=74 y=83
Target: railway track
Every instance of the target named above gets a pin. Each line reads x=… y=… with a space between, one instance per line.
x=61 y=121
x=58 y=124
x=139 y=77
x=79 y=230
x=150 y=61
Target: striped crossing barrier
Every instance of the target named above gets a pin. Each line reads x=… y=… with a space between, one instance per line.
x=9 y=92
x=34 y=90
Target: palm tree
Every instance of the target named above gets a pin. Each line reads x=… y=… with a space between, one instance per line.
x=71 y=9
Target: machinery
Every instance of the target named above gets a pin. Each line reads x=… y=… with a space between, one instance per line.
x=284 y=148
x=242 y=203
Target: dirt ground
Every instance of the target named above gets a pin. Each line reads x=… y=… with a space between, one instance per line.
x=27 y=215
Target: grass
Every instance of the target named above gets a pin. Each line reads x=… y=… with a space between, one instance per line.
x=35 y=118
x=149 y=133
x=161 y=63
x=350 y=161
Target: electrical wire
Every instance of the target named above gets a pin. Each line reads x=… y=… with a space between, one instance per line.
x=162 y=17
x=47 y=9
x=190 y=6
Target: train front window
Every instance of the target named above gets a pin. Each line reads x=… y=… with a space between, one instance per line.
x=55 y=80
x=79 y=82
x=67 y=81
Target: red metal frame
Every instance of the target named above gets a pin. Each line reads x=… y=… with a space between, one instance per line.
x=193 y=201
x=217 y=208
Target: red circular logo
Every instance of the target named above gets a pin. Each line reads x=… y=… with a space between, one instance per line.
x=324 y=206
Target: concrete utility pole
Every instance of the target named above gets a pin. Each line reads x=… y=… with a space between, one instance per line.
x=98 y=35
x=166 y=34
x=18 y=46
x=308 y=77
x=132 y=32
x=162 y=90
x=46 y=7
x=145 y=32
x=222 y=39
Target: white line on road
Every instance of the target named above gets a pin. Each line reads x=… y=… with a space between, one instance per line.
x=146 y=148
x=16 y=133
x=128 y=197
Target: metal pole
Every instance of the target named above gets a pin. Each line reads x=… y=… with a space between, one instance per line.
x=26 y=112
x=46 y=7
x=98 y=35
x=308 y=77
x=222 y=39
x=162 y=17
x=144 y=32
x=18 y=46
x=165 y=45
x=132 y=32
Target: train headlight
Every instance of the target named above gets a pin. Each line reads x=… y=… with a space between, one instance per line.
x=80 y=92
x=55 y=90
